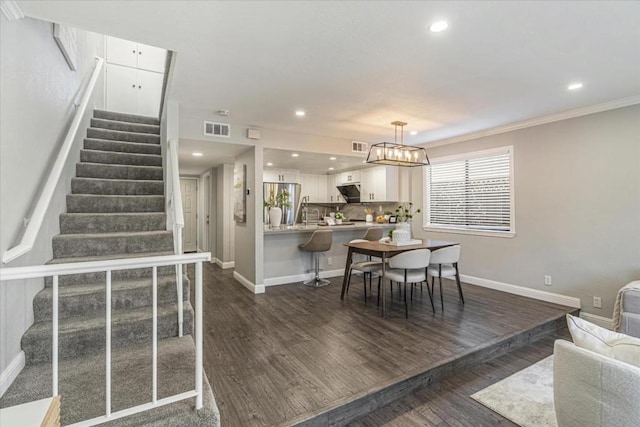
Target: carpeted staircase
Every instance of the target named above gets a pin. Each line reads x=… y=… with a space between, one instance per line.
x=115 y=210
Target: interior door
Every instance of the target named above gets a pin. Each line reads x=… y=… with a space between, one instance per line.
x=189 y=189
x=204 y=245
x=151 y=58
x=149 y=93
x=122 y=52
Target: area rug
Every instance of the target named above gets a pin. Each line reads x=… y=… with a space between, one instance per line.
x=525 y=398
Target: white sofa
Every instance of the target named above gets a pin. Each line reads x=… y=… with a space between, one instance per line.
x=594 y=390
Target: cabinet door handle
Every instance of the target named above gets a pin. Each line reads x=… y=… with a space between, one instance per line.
x=133 y=86
x=139 y=87
x=134 y=51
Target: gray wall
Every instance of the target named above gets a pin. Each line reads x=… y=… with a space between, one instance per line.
x=36 y=107
x=225 y=227
x=577 y=208
x=248 y=236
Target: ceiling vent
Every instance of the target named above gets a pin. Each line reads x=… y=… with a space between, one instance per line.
x=359 y=147
x=222 y=130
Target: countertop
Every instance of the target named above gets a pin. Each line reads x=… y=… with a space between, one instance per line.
x=301 y=228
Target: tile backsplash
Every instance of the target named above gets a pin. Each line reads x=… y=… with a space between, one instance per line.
x=351 y=211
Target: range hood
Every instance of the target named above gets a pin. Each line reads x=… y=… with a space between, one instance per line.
x=350 y=192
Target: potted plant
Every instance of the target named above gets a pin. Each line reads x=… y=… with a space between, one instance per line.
x=275 y=204
x=339 y=217
x=404 y=215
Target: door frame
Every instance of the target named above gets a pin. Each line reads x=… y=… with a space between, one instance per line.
x=197 y=195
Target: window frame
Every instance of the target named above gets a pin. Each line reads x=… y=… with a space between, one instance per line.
x=459 y=230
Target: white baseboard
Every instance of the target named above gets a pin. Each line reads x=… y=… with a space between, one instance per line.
x=256 y=289
x=282 y=280
x=522 y=291
x=12 y=371
x=601 y=321
x=222 y=264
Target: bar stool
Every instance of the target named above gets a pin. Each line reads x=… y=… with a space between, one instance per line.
x=320 y=241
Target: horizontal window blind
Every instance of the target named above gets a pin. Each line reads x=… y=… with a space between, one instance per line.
x=472 y=193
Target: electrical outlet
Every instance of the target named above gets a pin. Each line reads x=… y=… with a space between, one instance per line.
x=329 y=261
x=547 y=280
x=597 y=302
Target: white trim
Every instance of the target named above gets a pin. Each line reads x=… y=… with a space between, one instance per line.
x=11 y=10
x=281 y=280
x=256 y=289
x=224 y=264
x=578 y=112
x=601 y=321
x=11 y=372
x=501 y=234
x=522 y=291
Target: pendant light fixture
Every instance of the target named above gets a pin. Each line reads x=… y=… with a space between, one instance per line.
x=397 y=154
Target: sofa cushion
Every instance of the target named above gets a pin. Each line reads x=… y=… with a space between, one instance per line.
x=603 y=341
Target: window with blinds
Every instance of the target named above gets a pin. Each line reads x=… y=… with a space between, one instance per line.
x=473 y=192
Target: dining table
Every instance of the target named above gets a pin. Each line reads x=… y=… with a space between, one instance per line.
x=384 y=251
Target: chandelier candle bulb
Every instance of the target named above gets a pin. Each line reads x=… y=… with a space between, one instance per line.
x=397 y=154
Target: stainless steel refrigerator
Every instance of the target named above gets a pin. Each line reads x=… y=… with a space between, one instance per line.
x=288 y=214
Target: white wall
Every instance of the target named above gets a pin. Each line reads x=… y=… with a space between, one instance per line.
x=36 y=107
x=225 y=227
x=577 y=208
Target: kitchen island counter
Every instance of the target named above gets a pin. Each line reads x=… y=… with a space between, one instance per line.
x=284 y=262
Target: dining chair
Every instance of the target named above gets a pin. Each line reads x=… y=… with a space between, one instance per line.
x=410 y=267
x=366 y=267
x=444 y=263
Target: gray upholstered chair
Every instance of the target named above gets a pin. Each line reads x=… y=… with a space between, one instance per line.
x=366 y=266
x=409 y=267
x=320 y=241
x=373 y=234
x=444 y=263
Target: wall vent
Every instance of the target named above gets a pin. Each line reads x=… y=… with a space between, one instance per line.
x=222 y=130
x=359 y=147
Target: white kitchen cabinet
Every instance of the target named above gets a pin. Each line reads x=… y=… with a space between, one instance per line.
x=379 y=184
x=133 y=91
x=349 y=177
x=281 y=175
x=314 y=187
x=333 y=195
x=136 y=55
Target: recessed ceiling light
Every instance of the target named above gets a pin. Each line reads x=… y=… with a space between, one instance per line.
x=295 y=155
x=196 y=154
x=413 y=132
x=269 y=164
x=331 y=169
x=300 y=113
x=332 y=158
x=436 y=27
x=574 y=86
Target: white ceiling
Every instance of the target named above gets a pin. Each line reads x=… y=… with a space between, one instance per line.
x=316 y=163
x=356 y=66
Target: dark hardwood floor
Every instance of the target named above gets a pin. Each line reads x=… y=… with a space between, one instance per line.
x=295 y=354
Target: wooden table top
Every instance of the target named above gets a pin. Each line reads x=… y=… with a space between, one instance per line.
x=381 y=247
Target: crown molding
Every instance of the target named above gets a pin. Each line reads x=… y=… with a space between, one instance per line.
x=578 y=112
x=11 y=10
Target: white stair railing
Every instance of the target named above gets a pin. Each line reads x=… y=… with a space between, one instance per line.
x=174 y=195
x=42 y=205
x=54 y=271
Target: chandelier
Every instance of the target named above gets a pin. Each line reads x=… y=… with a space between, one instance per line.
x=397 y=154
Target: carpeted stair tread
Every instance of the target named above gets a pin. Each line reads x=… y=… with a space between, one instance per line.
x=117 y=135
x=82 y=386
x=94 y=203
x=81 y=336
x=87 y=299
x=114 y=158
x=121 y=117
x=130 y=274
x=112 y=187
x=125 y=126
x=110 y=171
x=81 y=223
x=121 y=146
x=68 y=245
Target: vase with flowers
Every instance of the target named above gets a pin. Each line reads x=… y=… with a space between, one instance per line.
x=339 y=217
x=275 y=203
x=404 y=215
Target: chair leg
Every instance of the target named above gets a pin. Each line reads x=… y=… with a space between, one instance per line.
x=391 y=284
x=433 y=307
x=441 y=294
x=379 y=284
x=348 y=281
x=412 y=286
x=364 y=277
x=455 y=264
x=406 y=307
